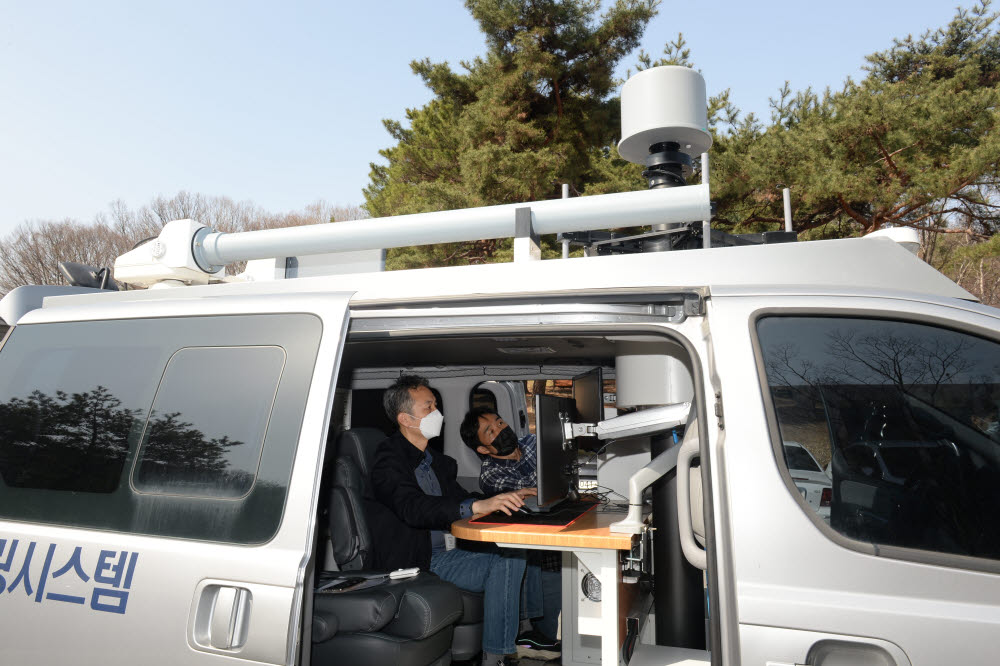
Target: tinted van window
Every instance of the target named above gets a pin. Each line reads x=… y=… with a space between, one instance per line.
x=67 y=411
x=201 y=413
x=194 y=446
x=903 y=416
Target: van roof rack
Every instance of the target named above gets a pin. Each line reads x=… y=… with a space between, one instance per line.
x=688 y=236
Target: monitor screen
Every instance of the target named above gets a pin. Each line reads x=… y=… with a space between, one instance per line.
x=555 y=461
x=588 y=398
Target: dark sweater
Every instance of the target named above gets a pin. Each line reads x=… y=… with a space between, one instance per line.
x=401 y=537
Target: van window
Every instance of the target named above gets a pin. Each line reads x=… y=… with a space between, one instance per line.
x=69 y=407
x=483 y=399
x=890 y=430
x=201 y=413
x=209 y=448
x=367 y=411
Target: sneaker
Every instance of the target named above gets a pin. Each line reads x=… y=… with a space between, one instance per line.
x=534 y=645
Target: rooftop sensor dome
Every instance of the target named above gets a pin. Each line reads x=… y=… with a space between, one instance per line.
x=664 y=105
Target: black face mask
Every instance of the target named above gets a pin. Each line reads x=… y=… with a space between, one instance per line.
x=505 y=442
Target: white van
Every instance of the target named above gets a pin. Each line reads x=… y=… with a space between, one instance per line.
x=165 y=453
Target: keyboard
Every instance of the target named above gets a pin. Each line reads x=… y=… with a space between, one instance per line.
x=563 y=513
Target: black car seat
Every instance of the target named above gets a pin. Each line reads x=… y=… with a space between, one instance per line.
x=352 y=505
x=407 y=622
x=379 y=621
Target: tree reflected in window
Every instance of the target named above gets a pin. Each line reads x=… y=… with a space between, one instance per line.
x=80 y=442
x=177 y=455
x=65 y=442
x=903 y=417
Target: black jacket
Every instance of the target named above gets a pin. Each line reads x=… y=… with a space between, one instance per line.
x=401 y=536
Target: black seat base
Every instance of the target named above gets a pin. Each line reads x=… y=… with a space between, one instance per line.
x=378 y=648
x=408 y=621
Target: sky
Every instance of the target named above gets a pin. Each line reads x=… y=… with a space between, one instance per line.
x=281 y=103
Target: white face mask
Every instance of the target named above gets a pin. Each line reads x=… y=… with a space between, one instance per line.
x=430 y=425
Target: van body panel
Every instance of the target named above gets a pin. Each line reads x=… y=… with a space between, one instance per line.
x=114 y=597
x=793 y=572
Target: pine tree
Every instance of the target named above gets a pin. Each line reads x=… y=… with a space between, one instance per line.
x=537 y=110
x=914 y=143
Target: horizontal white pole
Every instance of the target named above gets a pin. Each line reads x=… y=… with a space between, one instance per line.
x=605 y=211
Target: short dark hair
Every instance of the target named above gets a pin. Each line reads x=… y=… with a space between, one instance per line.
x=469 y=430
x=397 y=397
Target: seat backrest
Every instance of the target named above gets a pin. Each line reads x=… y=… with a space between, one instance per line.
x=350 y=495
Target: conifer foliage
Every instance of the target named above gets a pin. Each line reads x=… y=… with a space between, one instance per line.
x=514 y=124
x=914 y=142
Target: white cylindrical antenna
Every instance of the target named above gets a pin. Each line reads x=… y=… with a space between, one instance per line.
x=664 y=105
x=786 y=195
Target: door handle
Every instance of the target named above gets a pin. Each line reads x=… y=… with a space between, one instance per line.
x=831 y=652
x=848 y=653
x=223 y=617
x=689 y=451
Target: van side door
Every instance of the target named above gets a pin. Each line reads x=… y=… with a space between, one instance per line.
x=863 y=465
x=159 y=464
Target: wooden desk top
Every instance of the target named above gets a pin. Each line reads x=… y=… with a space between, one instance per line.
x=589 y=531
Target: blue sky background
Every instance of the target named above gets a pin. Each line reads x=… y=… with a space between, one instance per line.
x=281 y=103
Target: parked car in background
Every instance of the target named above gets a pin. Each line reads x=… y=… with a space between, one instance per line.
x=810 y=479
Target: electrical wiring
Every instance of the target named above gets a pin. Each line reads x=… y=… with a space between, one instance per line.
x=604 y=496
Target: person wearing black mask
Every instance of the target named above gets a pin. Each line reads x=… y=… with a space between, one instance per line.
x=510 y=464
x=507 y=464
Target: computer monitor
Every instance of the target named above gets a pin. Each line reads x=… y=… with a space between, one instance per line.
x=588 y=398
x=555 y=460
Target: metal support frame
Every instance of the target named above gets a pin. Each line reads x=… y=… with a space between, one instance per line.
x=603 y=563
x=786 y=197
x=706 y=229
x=527 y=246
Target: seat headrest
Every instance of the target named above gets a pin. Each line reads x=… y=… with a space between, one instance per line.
x=359 y=444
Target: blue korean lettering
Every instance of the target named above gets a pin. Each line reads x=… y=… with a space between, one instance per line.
x=74 y=564
x=119 y=607
x=131 y=570
x=110 y=573
x=5 y=565
x=23 y=575
x=45 y=572
x=115 y=570
x=103 y=565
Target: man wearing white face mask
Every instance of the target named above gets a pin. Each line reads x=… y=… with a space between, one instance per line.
x=421 y=489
